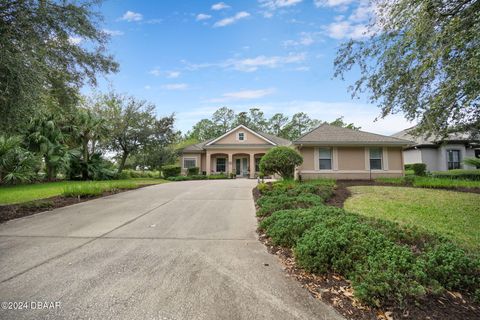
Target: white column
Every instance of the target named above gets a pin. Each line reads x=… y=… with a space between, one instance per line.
x=252 y=165
x=208 y=163
x=385 y=158
x=230 y=163
x=335 y=158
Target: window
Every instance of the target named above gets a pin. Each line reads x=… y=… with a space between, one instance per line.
x=257 y=164
x=241 y=136
x=453 y=159
x=221 y=164
x=325 y=159
x=189 y=163
x=376 y=158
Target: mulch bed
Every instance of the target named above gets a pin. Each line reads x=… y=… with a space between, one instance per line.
x=14 y=211
x=336 y=291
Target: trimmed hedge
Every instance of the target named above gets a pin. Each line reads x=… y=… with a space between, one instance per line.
x=419 y=169
x=458 y=174
x=271 y=203
x=193 y=171
x=171 y=171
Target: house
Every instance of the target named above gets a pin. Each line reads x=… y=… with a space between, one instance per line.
x=440 y=154
x=340 y=153
x=238 y=150
x=328 y=151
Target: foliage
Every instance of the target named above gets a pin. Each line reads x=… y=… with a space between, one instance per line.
x=16 y=163
x=133 y=126
x=171 y=170
x=444 y=183
x=420 y=169
x=41 y=56
x=474 y=162
x=91 y=189
x=29 y=192
x=218 y=176
x=271 y=203
x=193 y=171
x=340 y=123
x=281 y=160
x=421 y=59
x=126 y=174
x=458 y=174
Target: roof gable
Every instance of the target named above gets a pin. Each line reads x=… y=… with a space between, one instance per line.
x=327 y=134
x=230 y=137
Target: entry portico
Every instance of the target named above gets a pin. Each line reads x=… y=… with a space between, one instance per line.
x=237 y=151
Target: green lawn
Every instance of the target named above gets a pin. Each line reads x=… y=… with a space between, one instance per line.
x=455 y=215
x=29 y=192
x=433 y=182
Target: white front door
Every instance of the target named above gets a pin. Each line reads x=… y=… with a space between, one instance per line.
x=241 y=166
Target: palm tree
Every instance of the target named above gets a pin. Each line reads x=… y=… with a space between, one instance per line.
x=16 y=163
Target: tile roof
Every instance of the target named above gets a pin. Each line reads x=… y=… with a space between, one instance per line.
x=326 y=134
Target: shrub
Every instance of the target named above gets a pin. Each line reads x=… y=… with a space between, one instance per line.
x=281 y=160
x=171 y=171
x=460 y=174
x=193 y=171
x=179 y=178
x=217 y=176
x=90 y=189
x=285 y=227
x=262 y=187
x=16 y=163
x=271 y=203
x=408 y=167
x=452 y=267
x=420 y=169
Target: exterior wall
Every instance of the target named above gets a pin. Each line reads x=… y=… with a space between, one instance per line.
x=308 y=158
x=395 y=159
x=469 y=153
x=430 y=158
x=203 y=160
x=351 y=158
x=232 y=138
x=412 y=156
x=350 y=163
x=232 y=155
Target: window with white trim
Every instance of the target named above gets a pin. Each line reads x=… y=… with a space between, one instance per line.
x=376 y=158
x=241 y=136
x=221 y=165
x=189 y=163
x=325 y=161
x=453 y=159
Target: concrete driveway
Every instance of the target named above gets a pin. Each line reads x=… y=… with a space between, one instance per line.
x=185 y=250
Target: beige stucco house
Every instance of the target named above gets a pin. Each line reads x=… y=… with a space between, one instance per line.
x=328 y=151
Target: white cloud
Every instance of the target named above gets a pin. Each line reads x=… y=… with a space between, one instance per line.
x=147 y=87
x=173 y=74
x=220 y=6
x=244 y=95
x=231 y=20
x=276 y=4
x=75 y=40
x=345 y=29
x=131 y=16
x=155 y=72
x=113 y=33
x=202 y=16
x=332 y=3
x=252 y=64
x=306 y=39
x=175 y=86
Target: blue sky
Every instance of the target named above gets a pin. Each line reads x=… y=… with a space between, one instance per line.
x=192 y=57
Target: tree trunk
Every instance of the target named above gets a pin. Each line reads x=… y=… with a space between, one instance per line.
x=85 y=160
x=122 y=162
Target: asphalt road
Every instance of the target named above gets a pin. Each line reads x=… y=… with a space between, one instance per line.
x=184 y=250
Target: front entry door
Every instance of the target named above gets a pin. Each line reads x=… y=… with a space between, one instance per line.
x=241 y=167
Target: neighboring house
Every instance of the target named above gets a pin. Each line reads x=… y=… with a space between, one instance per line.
x=328 y=151
x=341 y=153
x=239 y=150
x=440 y=154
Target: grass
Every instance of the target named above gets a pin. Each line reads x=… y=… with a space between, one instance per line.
x=455 y=215
x=30 y=192
x=432 y=182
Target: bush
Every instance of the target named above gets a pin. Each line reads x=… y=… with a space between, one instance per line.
x=193 y=171
x=460 y=174
x=217 y=176
x=281 y=160
x=171 y=171
x=285 y=227
x=419 y=169
x=91 y=189
x=408 y=167
x=271 y=203
x=452 y=267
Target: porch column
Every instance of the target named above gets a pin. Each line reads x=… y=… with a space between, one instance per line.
x=230 y=163
x=252 y=165
x=208 y=163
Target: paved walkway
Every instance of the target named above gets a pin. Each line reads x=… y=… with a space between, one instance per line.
x=184 y=250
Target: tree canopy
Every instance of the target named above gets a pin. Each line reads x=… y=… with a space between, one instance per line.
x=47 y=48
x=421 y=58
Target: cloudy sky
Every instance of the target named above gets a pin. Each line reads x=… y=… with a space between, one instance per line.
x=191 y=57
